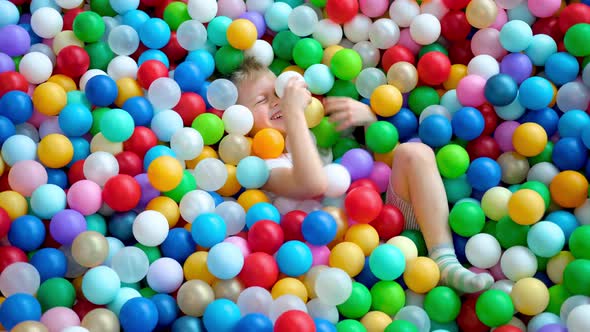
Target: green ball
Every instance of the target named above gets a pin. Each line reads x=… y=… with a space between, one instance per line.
x=187 y=184
x=97 y=115
x=577 y=39
x=542 y=263
x=307 y=52
x=100 y=55
x=418 y=240
x=284 y=43
x=557 y=295
x=292 y=3
x=318 y=3
x=343 y=88
x=576 y=277
x=228 y=59
x=350 y=325
x=401 y=326
x=346 y=64
x=467 y=218
x=490 y=228
x=78 y=97
x=95 y=222
x=278 y=65
x=435 y=47
x=452 y=161
x=388 y=297
x=513 y=188
x=457 y=188
x=210 y=126
x=422 y=97
x=540 y=188
x=494 y=308
x=381 y=137
x=325 y=133
x=344 y=144
x=147 y=292
x=134 y=285
x=217 y=30
x=511 y=234
x=152 y=253
x=102 y=8
x=56 y=292
x=358 y=304
x=442 y=304
x=117 y=125
x=585 y=61
x=16 y=61
x=579 y=242
x=88 y=26
x=545 y=156
x=176 y=13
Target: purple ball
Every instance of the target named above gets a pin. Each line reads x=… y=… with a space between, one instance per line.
x=258 y=20
x=148 y=192
x=517 y=65
x=503 y=135
x=25 y=18
x=14 y=40
x=553 y=328
x=66 y=225
x=358 y=162
x=380 y=175
x=6 y=63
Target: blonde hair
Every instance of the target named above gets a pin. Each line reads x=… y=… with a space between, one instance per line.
x=249 y=69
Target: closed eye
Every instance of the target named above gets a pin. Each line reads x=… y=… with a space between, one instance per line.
x=260 y=101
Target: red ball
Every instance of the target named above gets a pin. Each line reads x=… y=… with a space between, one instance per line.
x=396 y=54
x=342 y=11
x=121 y=192
x=10 y=80
x=150 y=71
x=483 y=146
x=260 y=269
x=10 y=255
x=265 y=236
x=456 y=4
x=460 y=52
x=215 y=111
x=291 y=225
x=294 y=321
x=573 y=14
x=4 y=185
x=490 y=119
x=129 y=163
x=151 y=3
x=4 y=223
x=389 y=223
x=173 y=50
x=507 y=328
x=363 y=204
x=69 y=17
x=365 y=183
x=141 y=141
x=139 y=51
x=73 y=61
x=454 y=25
x=548 y=26
x=83 y=307
x=189 y=107
x=434 y=68
x=467 y=319
x=76 y=172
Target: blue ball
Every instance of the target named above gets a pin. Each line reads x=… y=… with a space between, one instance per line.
x=319 y=228
x=208 y=230
x=573 y=123
x=7 y=129
x=501 y=90
x=154 y=55
x=135 y=18
x=121 y=225
x=75 y=120
x=484 y=173
x=468 y=123
x=8 y=15
x=546 y=118
x=561 y=68
x=322 y=325
x=459 y=243
x=139 y=314
x=254 y=322
x=101 y=90
x=50 y=262
x=294 y=258
x=179 y=244
x=542 y=46
x=225 y=260
x=203 y=93
x=27 y=233
x=154 y=33
x=405 y=122
x=545 y=239
x=123 y=6
x=17 y=106
x=188 y=324
x=141 y=110
x=262 y=211
x=319 y=78
x=18 y=308
x=218 y=199
x=167 y=309
x=165 y=123
x=204 y=60
x=435 y=131
x=535 y=93
x=366 y=277
x=155 y=152
x=566 y=220
x=221 y=315
x=544 y=278
x=387 y=262
x=252 y=172
x=81 y=149
x=188 y=76
x=57 y=177
x=516 y=36
x=569 y=153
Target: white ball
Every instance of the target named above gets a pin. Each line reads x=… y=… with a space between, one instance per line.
x=210 y=174
x=68 y=4
x=328 y=33
x=384 y=33
x=150 y=228
x=338 y=180
x=46 y=22
x=19 y=277
x=254 y=299
x=333 y=286
x=187 y=143
x=357 y=29
x=165 y=275
x=504 y=285
x=283 y=79
x=582 y=213
x=542 y=172
x=122 y=66
x=434 y=110
x=36 y=67
x=222 y=93
x=164 y=93
x=483 y=65
x=45 y=49
x=402 y=12
x=518 y=262
x=75 y=329
x=238 y=120
x=318 y=309
x=570 y=304
x=425 y=29
x=285 y=303
x=88 y=75
x=368 y=80
x=483 y=251
x=202 y=10
x=542 y=319
x=434 y=7
x=302 y=21
x=195 y=203
x=100 y=166
x=234 y=216
x=191 y=35
x=414 y=299
x=368 y=52
x=261 y=51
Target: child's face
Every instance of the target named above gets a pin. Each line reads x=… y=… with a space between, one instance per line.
x=258 y=94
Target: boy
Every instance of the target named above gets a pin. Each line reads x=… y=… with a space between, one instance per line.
x=415 y=184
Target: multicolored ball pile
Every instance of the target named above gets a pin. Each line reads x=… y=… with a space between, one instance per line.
x=130 y=190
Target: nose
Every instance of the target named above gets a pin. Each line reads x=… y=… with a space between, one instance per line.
x=274 y=102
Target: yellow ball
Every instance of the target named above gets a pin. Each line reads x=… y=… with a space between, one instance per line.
x=13 y=203
x=557 y=264
x=526 y=207
x=363 y=235
x=376 y=321
x=530 y=296
x=349 y=257
x=494 y=202
x=310 y=277
x=251 y=197
x=291 y=286
x=314 y=113
x=2 y=166
x=66 y=82
x=64 y=39
x=329 y=53
x=294 y=68
x=458 y=71
x=128 y=88
x=55 y=151
x=241 y=34
x=195 y=267
x=529 y=139
x=49 y=98
x=166 y=206
x=101 y=143
x=386 y=157
x=165 y=173
x=421 y=275
x=386 y=100
x=231 y=185
x=406 y=245
x=208 y=152
x=481 y=13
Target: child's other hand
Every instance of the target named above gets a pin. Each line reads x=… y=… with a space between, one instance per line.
x=348 y=112
x=296 y=95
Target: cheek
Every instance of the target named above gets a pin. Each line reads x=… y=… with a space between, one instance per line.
x=260 y=118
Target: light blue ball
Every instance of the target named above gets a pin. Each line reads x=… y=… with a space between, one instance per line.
x=294 y=258
x=545 y=239
x=535 y=93
x=319 y=79
x=124 y=6
x=543 y=319
x=262 y=211
x=114 y=246
x=521 y=13
x=561 y=68
x=204 y=60
x=188 y=324
x=125 y=294
x=512 y=111
x=165 y=124
x=208 y=230
x=81 y=149
x=155 y=33
x=153 y=55
x=155 y=152
x=17 y=148
x=78 y=97
x=252 y=172
x=100 y=285
x=75 y=120
x=47 y=200
x=516 y=36
x=573 y=123
x=277 y=15
x=450 y=101
x=8 y=13
x=37 y=4
x=221 y=315
x=387 y=262
x=135 y=18
x=217 y=30
x=542 y=46
x=566 y=220
x=225 y=260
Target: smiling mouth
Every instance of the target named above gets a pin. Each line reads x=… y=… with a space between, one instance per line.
x=277 y=115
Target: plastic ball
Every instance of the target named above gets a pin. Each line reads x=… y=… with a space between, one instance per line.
x=138 y=307
x=530 y=296
x=535 y=93
x=164 y=275
x=541 y=243
x=100 y=285
x=518 y=262
x=150 y=228
x=19 y=277
x=384 y=33
x=421 y=275
x=494 y=308
x=225 y=260
x=575 y=193
x=425 y=29
x=386 y=100
x=19 y=308
x=483 y=251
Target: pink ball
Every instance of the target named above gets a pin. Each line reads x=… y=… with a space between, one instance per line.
x=26 y=175
x=320 y=254
x=240 y=243
x=470 y=90
x=501 y=19
x=496 y=272
x=544 y=8
x=85 y=196
x=487 y=41
x=231 y=8
x=503 y=135
x=477 y=270
x=374 y=8
x=50 y=126
x=58 y=318
x=37 y=119
x=406 y=40
x=380 y=175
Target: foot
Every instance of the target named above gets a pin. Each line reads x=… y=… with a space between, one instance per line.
x=454 y=275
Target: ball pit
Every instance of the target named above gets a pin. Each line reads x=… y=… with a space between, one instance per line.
x=131 y=183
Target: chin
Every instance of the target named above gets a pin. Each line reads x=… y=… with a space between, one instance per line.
x=279 y=125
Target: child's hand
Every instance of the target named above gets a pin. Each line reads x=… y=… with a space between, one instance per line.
x=348 y=112
x=296 y=95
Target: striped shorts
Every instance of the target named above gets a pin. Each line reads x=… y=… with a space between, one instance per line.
x=405 y=207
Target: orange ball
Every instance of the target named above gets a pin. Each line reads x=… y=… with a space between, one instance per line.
x=49 y=98
x=208 y=152
x=268 y=143
x=421 y=275
x=242 y=34
x=165 y=173
x=569 y=189
x=529 y=139
x=231 y=185
x=386 y=100
x=251 y=197
x=66 y=82
x=526 y=207
x=329 y=53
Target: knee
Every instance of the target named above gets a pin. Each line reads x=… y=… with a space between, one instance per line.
x=414 y=154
